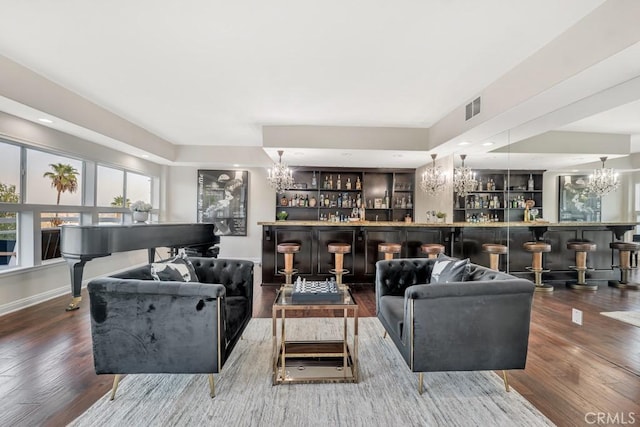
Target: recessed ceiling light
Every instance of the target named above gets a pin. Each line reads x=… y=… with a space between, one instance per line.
x=574 y=170
x=43 y=120
x=144 y=156
x=487 y=144
x=464 y=143
x=235 y=165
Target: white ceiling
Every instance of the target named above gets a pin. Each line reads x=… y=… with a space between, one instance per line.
x=212 y=73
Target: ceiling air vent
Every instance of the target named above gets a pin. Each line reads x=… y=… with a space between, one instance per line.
x=472 y=108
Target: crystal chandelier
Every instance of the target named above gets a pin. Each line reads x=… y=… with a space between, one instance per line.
x=603 y=181
x=433 y=179
x=280 y=176
x=464 y=180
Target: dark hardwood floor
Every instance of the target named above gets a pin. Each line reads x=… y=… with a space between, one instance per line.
x=47 y=376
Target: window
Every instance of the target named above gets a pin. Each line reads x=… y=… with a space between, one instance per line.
x=9 y=173
x=110 y=187
x=8 y=239
x=39 y=188
x=138 y=187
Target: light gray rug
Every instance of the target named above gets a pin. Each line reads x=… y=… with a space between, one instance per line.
x=630 y=317
x=385 y=396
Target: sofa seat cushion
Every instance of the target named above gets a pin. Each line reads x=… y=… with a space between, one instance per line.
x=392 y=309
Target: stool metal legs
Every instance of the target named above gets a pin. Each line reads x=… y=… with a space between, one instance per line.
x=625 y=267
x=339 y=270
x=536 y=268
x=581 y=269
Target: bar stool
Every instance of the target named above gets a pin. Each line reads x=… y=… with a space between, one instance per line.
x=626 y=249
x=432 y=249
x=339 y=249
x=536 y=249
x=389 y=249
x=581 y=248
x=288 y=249
x=494 y=250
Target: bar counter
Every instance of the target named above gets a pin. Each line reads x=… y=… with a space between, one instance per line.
x=461 y=240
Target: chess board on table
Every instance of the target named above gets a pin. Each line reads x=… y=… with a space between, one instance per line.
x=315 y=291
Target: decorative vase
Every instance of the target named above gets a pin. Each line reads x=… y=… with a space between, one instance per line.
x=140 y=216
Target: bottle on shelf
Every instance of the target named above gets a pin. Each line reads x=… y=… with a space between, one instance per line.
x=330 y=182
x=348 y=184
x=338 y=183
x=386 y=200
x=314 y=181
x=530 y=185
x=358 y=183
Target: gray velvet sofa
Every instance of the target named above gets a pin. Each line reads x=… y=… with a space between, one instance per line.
x=478 y=324
x=139 y=325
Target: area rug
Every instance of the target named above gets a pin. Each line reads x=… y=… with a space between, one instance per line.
x=386 y=394
x=630 y=317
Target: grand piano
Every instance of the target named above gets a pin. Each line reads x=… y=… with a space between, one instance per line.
x=82 y=243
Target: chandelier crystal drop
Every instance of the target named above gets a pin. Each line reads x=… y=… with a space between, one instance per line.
x=603 y=181
x=280 y=177
x=434 y=179
x=464 y=180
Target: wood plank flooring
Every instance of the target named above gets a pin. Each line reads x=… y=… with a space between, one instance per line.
x=47 y=376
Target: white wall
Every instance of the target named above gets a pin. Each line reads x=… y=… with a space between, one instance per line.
x=182 y=205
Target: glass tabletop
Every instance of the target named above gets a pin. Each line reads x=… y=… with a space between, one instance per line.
x=285 y=297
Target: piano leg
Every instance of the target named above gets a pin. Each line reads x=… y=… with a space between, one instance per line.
x=76 y=267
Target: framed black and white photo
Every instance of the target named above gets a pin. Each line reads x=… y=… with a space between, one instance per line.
x=222 y=200
x=575 y=203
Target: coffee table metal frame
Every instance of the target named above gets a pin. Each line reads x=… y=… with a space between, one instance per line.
x=314 y=360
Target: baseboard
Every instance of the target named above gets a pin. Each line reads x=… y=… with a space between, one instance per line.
x=33 y=300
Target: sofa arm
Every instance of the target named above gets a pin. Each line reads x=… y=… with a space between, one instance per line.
x=140 y=326
x=481 y=325
x=476 y=288
x=148 y=287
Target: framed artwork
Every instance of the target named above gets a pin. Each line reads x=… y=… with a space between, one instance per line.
x=222 y=200
x=575 y=203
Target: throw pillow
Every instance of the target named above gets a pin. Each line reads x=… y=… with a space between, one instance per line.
x=447 y=269
x=178 y=269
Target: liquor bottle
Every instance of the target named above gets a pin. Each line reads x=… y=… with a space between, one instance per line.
x=348 y=184
x=330 y=182
x=338 y=183
x=386 y=199
x=358 y=183
x=314 y=182
x=530 y=183
x=326 y=182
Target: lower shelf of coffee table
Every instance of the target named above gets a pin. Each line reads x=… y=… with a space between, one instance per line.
x=314 y=361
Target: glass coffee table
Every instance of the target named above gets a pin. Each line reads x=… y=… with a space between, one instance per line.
x=314 y=360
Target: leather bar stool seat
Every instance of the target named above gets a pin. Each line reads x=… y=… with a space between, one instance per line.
x=494 y=250
x=625 y=251
x=581 y=248
x=288 y=249
x=389 y=249
x=432 y=249
x=537 y=249
x=339 y=249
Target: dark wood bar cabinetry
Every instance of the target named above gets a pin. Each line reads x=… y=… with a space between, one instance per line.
x=461 y=240
x=499 y=196
x=333 y=193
